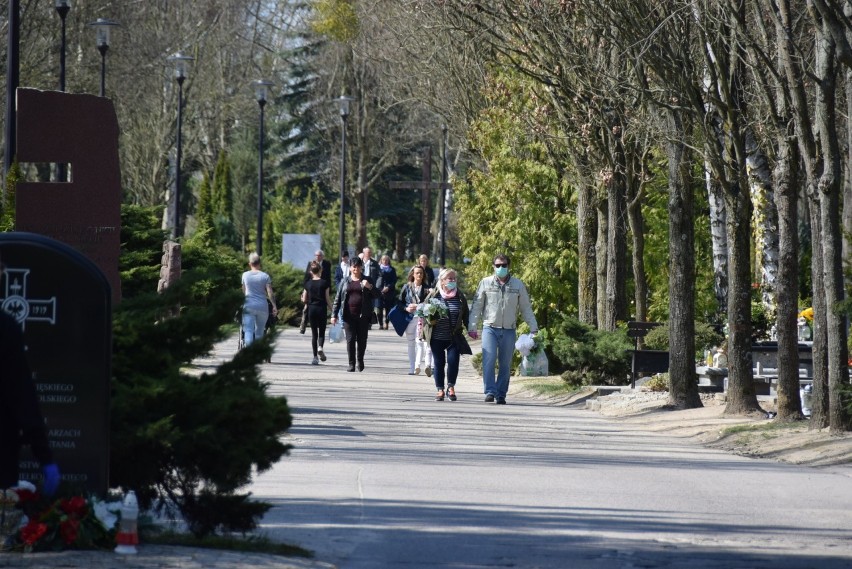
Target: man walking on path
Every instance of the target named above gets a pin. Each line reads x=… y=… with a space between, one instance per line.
x=497 y=301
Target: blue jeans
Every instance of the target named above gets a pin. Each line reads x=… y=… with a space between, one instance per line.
x=498 y=346
x=254 y=323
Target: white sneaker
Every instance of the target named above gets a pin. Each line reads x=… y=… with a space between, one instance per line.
x=321 y=354
x=315 y=362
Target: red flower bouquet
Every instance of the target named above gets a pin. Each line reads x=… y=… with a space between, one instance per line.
x=65 y=523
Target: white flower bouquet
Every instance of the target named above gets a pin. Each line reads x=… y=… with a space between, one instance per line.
x=433 y=310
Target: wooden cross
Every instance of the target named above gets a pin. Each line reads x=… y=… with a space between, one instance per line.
x=426 y=186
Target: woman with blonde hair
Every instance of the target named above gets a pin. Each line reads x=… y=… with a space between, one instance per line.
x=257 y=287
x=446 y=336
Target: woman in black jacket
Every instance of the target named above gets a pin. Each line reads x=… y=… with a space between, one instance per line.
x=354 y=303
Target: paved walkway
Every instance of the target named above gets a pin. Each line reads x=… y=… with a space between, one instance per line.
x=382 y=475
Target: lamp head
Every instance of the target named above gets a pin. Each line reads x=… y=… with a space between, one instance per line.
x=261 y=90
x=343 y=103
x=62 y=8
x=102 y=31
x=181 y=63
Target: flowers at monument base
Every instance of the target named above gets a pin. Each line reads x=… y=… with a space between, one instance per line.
x=807 y=314
x=62 y=523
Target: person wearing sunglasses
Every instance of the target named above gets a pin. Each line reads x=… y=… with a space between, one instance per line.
x=498 y=300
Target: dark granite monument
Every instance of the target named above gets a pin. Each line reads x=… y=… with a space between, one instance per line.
x=85 y=213
x=62 y=301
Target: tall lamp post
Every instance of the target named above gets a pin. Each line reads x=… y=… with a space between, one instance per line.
x=181 y=63
x=261 y=92
x=13 y=72
x=343 y=103
x=444 y=178
x=102 y=31
x=62 y=8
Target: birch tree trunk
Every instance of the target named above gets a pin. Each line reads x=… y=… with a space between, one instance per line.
x=719 y=238
x=765 y=216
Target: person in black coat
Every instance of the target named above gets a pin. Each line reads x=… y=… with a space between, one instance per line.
x=354 y=304
x=341 y=271
x=388 y=292
x=21 y=421
x=325 y=266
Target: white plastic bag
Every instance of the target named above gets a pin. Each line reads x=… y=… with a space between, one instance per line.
x=335 y=333
x=525 y=344
x=535 y=365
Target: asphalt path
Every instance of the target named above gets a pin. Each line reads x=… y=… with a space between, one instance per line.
x=382 y=475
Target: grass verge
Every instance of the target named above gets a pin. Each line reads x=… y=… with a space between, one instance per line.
x=550 y=386
x=252 y=544
x=768 y=427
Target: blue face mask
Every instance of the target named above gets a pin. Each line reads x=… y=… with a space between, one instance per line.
x=450 y=285
x=501 y=272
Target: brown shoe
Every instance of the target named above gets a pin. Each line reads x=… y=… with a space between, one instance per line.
x=440 y=396
x=451 y=393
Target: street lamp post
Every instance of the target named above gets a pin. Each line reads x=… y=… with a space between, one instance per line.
x=181 y=63
x=102 y=32
x=261 y=92
x=62 y=8
x=444 y=178
x=343 y=103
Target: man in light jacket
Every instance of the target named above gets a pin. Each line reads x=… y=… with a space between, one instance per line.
x=497 y=301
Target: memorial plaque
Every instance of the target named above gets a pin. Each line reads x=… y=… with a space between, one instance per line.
x=61 y=299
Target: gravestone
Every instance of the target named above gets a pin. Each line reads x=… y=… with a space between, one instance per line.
x=62 y=302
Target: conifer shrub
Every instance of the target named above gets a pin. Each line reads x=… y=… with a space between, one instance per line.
x=188 y=441
x=584 y=355
x=706 y=337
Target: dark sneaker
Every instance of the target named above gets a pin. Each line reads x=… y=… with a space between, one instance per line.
x=489 y=398
x=321 y=354
x=501 y=401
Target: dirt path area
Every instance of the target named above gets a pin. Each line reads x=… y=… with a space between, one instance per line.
x=748 y=436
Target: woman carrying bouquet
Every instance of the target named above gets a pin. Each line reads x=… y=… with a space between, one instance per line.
x=354 y=303
x=444 y=332
x=413 y=293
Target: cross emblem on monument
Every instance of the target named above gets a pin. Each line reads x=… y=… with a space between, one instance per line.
x=16 y=304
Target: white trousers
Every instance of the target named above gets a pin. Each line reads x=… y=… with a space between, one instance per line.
x=418 y=350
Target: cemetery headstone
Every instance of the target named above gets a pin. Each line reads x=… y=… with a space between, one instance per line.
x=62 y=301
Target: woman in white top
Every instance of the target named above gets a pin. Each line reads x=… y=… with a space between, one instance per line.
x=257 y=286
